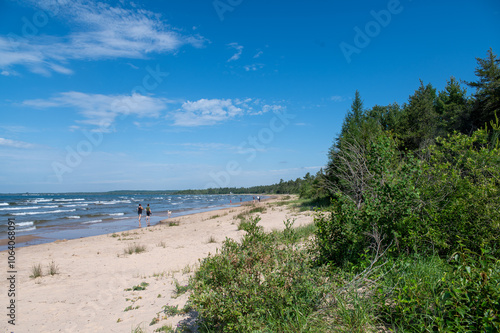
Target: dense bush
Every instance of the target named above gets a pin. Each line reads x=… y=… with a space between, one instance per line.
x=461 y=193
x=264 y=283
x=447 y=200
x=427 y=294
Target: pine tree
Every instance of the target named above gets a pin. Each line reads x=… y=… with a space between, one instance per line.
x=487 y=96
x=452 y=107
x=419 y=119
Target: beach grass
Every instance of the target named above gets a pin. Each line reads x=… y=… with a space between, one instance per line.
x=165 y=328
x=188 y=269
x=171 y=310
x=131 y=307
x=141 y=286
x=53 y=269
x=180 y=289
x=138 y=329
x=134 y=248
x=36 y=271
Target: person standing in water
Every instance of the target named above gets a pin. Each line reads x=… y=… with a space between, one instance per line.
x=139 y=212
x=148 y=213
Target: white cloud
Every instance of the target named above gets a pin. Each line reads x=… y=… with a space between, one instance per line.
x=265 y=109
x=15 y=144
x=101 y=32
x=253 y=67
x=239 y=51
x=258 y=54
x=102 y=110
x=337 y=98
x=213 y=111
x=206 y=112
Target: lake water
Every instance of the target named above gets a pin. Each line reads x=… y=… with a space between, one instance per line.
x=70 y=216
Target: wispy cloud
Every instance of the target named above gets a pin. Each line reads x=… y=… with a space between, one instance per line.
x=15 y=144
x=253 y=67
x=102 y=110
x=258 y=54
x=239 y=51
x=101 y=32
x=206 y=112
x=337 y=98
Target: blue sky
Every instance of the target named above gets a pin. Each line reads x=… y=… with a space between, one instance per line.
x=111 y=95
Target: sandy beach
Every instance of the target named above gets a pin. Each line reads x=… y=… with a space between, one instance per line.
x=89 y=292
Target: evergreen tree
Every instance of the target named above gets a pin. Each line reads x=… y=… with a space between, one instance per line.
x=345 y=171
x=419 y=120
x=388 y=117
x=487 y=96
x=353 y=119
x=452 y=107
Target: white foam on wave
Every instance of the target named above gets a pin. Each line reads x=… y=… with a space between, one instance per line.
x=39 y=200
x=73 y=217
x=27 y=229
x=77 y=205
x=116 y=214
x=4 y=203
x=20 y=208
x=112 y=202
x=48 y=212
x=24 y=224
x=92 y=222
x=62 y=199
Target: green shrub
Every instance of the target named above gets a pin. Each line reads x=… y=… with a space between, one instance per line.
x=180 y=289
x=256 y=285
x=461 y=194
x=171 y=310
x=409 y=290
x=428 y=294
x=141 y=286
x=470 y=296
x=437 y=204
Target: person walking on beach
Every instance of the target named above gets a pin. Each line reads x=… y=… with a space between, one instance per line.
x=148 y=213
x=139 y=211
